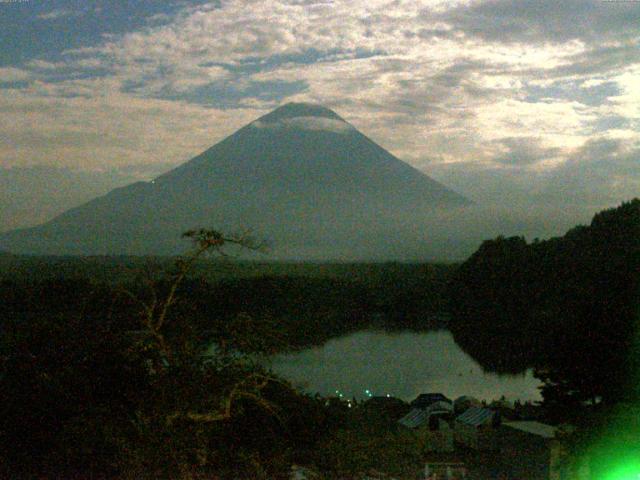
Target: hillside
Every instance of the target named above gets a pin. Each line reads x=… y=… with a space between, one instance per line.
x=568 y=305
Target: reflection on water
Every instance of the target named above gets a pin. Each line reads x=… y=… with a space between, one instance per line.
x=401 y=365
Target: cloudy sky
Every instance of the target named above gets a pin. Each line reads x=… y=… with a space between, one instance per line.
x=534 y=103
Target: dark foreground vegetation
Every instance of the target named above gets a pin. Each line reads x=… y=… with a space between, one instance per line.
x=151 y=368
x=115 y=375
x=568 y=307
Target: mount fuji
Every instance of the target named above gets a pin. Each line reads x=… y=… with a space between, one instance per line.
x=300 y=177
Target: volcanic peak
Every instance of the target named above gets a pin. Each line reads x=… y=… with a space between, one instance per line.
x=297 y=110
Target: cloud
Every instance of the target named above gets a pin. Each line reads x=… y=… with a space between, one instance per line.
x=524 y=151
x=11 y=74
x=594 y=61
x=307 y=123
x=511 y=90
x=96 y=132
x=44 y=29
x=545 y=21
x=58 y=13
x=602 y=171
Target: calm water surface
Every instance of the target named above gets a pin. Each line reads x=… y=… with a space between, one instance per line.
x=401 y=365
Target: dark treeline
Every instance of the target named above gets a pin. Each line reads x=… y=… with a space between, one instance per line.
x=567 y=306
x=305 y=310
x=570 y=308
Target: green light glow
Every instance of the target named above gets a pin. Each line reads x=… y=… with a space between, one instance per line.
x=624 y=473
x=623 y=469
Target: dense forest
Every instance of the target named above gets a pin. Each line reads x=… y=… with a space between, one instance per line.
x=570 y=308
x=306 y=303
x=567 y=306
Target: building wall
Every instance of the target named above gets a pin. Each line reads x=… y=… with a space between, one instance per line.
x=478 y=438
x=436 y=441
x=466 y=435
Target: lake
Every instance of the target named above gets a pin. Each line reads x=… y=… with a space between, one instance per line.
x=402 y=365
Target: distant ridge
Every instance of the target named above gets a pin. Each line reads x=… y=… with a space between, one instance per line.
x=300 y=176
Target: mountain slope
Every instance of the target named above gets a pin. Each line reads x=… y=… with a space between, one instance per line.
x=300 y=176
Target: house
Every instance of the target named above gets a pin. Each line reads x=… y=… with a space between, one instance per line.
x=440 y=408
x=528 y=411
x=433 y=432
x=530 y=450
x=504 y=408
x=425 y=399
x=463 y=403
x=475 y=429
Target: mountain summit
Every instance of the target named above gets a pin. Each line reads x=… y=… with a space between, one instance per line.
x=300 y=176
x=293 y=110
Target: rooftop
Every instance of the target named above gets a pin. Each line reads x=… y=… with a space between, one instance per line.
x=425 y=399
x=476 y=416
x=534 y=428
x=414 y=418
